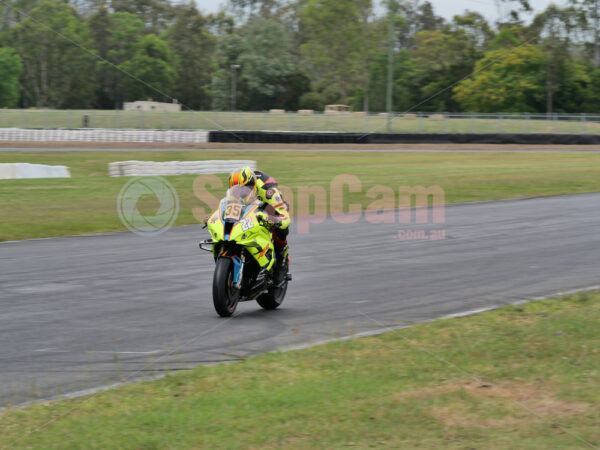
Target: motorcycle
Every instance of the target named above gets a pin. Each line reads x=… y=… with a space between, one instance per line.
x=243 y=248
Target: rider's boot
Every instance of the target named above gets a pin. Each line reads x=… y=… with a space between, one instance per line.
x=264 y=275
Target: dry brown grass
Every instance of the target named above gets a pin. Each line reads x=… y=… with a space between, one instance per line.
x=510 y=401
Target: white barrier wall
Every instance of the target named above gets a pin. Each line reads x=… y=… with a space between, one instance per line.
x=25 y=170
x=103 y=135
x=151 y=168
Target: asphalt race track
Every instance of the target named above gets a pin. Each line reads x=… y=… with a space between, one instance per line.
x=83 y=312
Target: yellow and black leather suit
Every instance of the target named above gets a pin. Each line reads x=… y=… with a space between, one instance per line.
x=268 y=192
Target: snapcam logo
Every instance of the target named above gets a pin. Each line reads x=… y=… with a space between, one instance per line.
x=148 y=206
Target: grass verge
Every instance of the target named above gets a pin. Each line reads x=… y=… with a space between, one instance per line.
x=523 y=376
x=86 y=203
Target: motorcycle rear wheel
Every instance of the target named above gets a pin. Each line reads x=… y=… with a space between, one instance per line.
x=225 y=296
x=274 y=298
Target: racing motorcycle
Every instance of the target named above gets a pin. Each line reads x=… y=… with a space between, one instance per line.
x=244 y=253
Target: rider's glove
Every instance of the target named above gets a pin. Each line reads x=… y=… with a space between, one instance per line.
x=267 y=221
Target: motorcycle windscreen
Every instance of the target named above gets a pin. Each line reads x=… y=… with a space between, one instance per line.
x=237 y=199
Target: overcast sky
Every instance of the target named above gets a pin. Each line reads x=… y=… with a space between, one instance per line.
x=446 y=8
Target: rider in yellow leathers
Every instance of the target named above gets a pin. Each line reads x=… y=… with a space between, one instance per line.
x=275 y=214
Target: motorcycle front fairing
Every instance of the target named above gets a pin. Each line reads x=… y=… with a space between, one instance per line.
x=235 y=222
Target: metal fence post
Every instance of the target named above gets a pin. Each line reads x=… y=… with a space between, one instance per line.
x=583 y=123
x=500 y=127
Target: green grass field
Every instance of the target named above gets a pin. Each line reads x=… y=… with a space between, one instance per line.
x=86 y=203
x=522 y=377
x=29 y=118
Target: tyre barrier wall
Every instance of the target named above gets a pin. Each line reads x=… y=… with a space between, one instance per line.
x=103 y=135
x=281 y=137
x=284 y=137
x=169 y=168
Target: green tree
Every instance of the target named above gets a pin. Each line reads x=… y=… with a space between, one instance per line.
x=116 y=37
x=426 y=18
x=416 y=17
x=588 y=13
x=506 y=81
x=475 y=27
x=341 y=44
x=403 y=89
x=155 y=14
x=262 y=50
x=294 y=86
x=10 y=71
x=151 y=72
x=441 y=58
x=555 y=26
x=194 y=48
x=266 y=58
x=591 y=97
x=57 y=71
x=577 y=89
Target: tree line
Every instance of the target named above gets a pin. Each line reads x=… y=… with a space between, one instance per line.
x=299 y=54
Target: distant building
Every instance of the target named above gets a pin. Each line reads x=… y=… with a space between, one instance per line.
x=337 y=109
x=151 y=106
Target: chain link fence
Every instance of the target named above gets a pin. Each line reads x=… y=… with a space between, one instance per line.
x=358 y=122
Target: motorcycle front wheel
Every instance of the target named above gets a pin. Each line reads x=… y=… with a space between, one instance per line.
x=225 y=296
